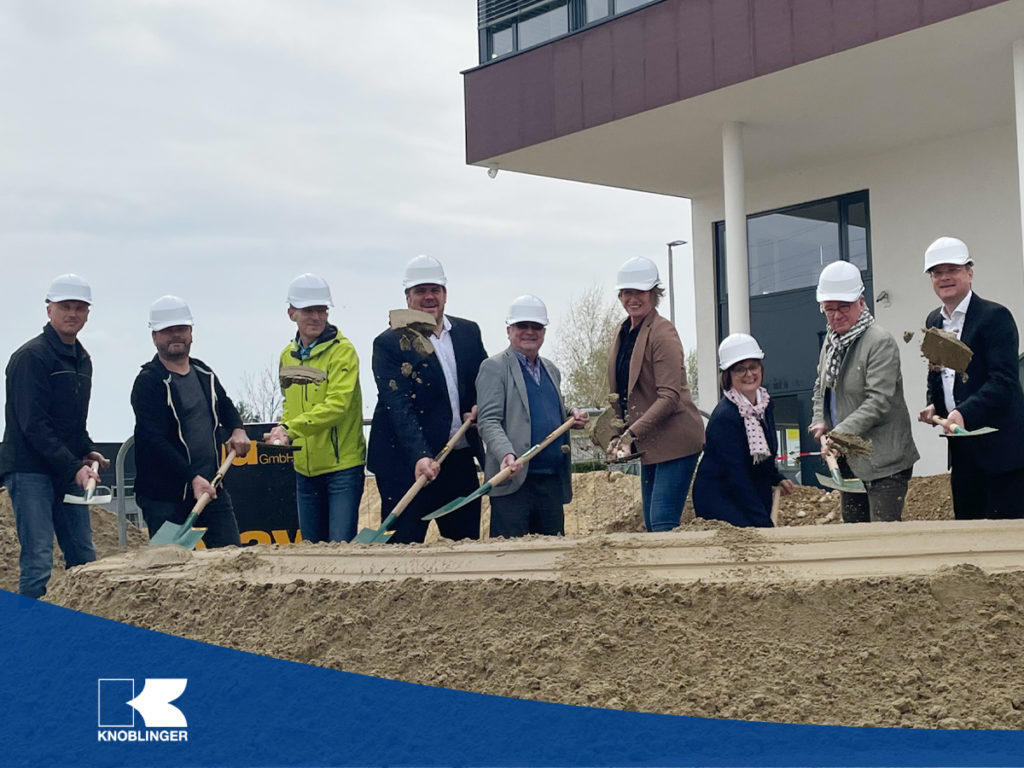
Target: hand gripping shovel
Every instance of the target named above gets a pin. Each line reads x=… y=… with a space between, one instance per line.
x=502 y=476
x=382 y=535
x=90 y=494
x=958 y=431
x=185 y=535
x=837 y=482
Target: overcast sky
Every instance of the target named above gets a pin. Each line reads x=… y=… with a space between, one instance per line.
x=214 y=149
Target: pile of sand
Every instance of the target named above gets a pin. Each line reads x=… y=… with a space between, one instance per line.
x=937 y=651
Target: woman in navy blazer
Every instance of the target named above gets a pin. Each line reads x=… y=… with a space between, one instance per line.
x=737 y=472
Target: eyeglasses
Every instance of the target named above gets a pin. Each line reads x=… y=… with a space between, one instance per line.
x=839 y=309
x=740 y=369
x=525 y=326
x=937 y=273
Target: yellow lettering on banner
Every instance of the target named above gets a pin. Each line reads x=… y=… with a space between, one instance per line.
x=271 y=458
x=279 y=536
x=238 y=461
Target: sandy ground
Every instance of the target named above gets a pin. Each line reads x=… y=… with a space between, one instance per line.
x=938 y=648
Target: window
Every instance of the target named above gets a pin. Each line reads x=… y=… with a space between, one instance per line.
x=501 y=42
x=543 y=26
x=596 y=9
x=508 y=26
x=788 y=249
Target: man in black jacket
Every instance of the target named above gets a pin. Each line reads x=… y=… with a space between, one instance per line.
x=47 y=449
x=425 y=389
x=180 y=406
x=987 y=476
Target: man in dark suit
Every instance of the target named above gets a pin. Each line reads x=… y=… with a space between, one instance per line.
x=426 y=388
x=987 y=474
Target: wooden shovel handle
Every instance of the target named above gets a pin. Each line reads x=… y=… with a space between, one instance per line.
x=422 y=480
x=90 y=484
x=504 y=475
x=830 y=458
x=775 y=504
x=205 y=498
x=942 y=423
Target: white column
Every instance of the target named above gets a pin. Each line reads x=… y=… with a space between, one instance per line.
x=736 y=274
x=1018 y=105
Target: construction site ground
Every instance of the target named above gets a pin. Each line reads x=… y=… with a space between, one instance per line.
x=912 y=624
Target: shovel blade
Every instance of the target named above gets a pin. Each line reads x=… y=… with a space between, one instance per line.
x=458 y=503
x=101 y=495
x=970 y=432
x=182 y=535
x=373 y=536
x=846 y=485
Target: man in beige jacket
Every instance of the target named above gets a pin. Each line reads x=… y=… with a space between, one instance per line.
x=859 y=391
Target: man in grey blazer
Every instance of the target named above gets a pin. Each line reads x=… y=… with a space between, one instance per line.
x=520 y=403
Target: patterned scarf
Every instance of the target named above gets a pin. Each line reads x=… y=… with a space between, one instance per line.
x=836 y=346
x=752 y=415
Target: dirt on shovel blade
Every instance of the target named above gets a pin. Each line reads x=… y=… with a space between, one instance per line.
x=850 y=445
x=944 y=350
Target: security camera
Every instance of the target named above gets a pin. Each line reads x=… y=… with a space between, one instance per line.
x=492 y=171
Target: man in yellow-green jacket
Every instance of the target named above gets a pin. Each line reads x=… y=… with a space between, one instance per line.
x=323 y=414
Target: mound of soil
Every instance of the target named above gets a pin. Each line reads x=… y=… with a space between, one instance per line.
x=936 y=651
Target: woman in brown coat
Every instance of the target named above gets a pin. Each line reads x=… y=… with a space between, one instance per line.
x=646 y=369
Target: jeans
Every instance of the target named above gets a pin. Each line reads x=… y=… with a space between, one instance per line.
x=329 y=504
x=663 y=487
x=39 y=513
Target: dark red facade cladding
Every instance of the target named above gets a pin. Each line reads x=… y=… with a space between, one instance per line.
x=667 y=52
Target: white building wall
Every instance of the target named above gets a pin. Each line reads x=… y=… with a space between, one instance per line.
x=965 y=186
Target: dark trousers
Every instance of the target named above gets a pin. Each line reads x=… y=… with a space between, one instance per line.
x=883 y=503
x=457 y=478
x=218 y=518
x=535 y=508
x=978 y=495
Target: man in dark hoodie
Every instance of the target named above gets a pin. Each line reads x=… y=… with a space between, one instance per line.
x=180 y=406
x=47 y=451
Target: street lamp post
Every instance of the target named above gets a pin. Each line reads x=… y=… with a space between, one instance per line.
x=671 y=281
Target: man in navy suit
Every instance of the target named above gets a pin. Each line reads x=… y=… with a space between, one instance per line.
x=987 y=472
x=426 y=388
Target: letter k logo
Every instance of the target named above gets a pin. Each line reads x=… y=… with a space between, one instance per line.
x=154 y=703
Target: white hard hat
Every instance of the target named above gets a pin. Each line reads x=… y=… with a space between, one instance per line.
x=638 y=273
x=736 y=347
x=69 y=287
x=309 y=290
x=167 y=312
x=424 y=270
x=946 y=250
x=527 y=309
x=840 y=281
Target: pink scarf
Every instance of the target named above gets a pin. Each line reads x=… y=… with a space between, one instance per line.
x=752 y=415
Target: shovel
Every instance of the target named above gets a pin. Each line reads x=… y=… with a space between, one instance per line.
x=959 y=431
x=185 y=535
x=837 y=482
x=502 y=476
x=90 y=495
x=382 y=535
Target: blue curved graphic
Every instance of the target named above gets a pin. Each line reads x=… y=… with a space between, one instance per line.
x=248 y=710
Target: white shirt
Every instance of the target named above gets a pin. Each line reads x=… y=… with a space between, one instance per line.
x=953 y=323
x=446 y=356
